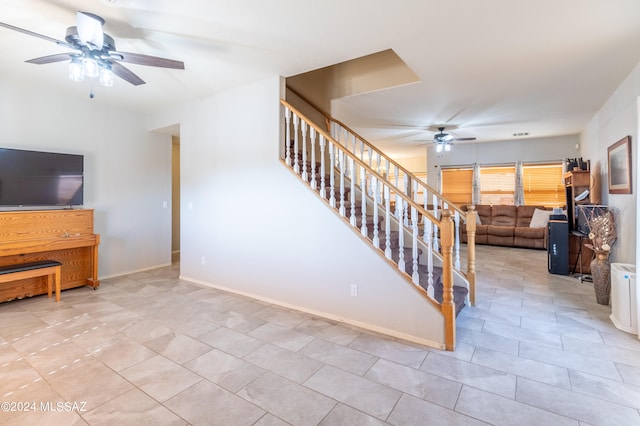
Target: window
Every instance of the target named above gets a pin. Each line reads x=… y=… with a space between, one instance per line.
x=543 y=185
x=456 y=185
x=497 y=185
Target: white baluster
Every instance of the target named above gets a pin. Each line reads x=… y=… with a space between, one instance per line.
x=332 y=180
x=387 y=221
x=312 y=135
x=405 y=203
x=398 y=200
x=425 y=220
x=376 y=202
x=436 y=244
x=429 y=235
x=287 y=120
x=363 y=198
x=456 y=221
x=296 y=125
x=354 y=151
x=305 y=165
x=401 y=264
x=323 y=190
x=415 y=277
x=352 y=194
x=342 y=172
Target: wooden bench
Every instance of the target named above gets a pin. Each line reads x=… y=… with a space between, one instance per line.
x=50 y=268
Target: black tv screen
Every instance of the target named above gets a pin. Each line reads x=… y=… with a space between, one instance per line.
x=34 y=178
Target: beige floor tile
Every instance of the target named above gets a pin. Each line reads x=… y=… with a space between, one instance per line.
x=414 y=411
x=363 y=394
x=208 y=404
x=291 y=402
x=160 y=378
x=290 y=365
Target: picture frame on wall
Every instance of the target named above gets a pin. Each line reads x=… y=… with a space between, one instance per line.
x=619 y=161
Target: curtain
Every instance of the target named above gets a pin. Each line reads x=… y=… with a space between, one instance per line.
x=475 y=185
x=519 y=198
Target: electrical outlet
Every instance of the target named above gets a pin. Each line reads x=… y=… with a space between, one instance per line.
x=354 y=290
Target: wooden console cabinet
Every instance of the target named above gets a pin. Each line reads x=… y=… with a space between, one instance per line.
x=63 y=235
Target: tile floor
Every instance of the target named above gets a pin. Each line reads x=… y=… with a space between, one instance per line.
x=150 y=349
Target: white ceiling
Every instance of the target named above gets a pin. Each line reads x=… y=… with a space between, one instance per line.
x=491 y=68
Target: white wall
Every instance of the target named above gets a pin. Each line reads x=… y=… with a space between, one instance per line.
x=617 y=118
x=250 y=226
x=127 y=168
x=533 y=149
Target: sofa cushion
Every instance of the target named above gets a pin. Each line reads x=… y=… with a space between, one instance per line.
x=527 y=237
x=501 y=231
x=524 y=214
x=503 y=215
x=484 y=213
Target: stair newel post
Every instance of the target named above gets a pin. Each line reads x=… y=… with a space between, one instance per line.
x=363 y=198
x=448 y=305
x=376 y=202
x=415 y=277
x=342 y=172
x=387 y=221
x=305 y=165
x=296 y=127
x=287 y=142
x=332 y=179
x=323 y=190
x=312 y=136
x=352 y=193
x=401 y=264
x=471 y=221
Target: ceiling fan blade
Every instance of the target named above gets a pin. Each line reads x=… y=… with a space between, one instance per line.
x=31 y=33
x=125 y=73
x=152 y=61
x=464 y=139
x=90 y=29
x=50 y=59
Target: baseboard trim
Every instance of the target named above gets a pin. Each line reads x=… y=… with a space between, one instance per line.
x=106 y=277
x=366 y=326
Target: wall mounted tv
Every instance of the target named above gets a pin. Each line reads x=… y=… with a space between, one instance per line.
x=40 y=179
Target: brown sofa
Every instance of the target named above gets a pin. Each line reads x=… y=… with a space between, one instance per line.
x=507 y=226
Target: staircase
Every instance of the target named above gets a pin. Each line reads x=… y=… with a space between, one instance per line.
x=371 y=223
x=379 y=200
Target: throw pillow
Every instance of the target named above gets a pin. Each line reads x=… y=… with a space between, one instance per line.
x=540 y=218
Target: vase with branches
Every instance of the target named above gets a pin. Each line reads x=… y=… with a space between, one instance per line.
x=602 y=234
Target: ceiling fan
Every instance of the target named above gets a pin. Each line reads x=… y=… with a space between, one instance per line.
x=95 y=53
x=444 y=140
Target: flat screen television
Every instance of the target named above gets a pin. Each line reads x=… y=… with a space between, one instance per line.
x=40 y=179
